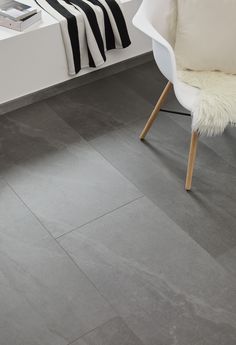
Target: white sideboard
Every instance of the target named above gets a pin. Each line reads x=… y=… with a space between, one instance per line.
x=35 y=59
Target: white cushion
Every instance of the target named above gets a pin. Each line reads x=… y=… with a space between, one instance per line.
x=164 y=19
x=206 y=35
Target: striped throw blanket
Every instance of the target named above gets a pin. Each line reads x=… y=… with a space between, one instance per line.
x=89 y=29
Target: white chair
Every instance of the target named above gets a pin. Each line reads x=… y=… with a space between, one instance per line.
x=151 y=18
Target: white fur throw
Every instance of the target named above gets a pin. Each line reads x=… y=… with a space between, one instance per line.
x=216 y=107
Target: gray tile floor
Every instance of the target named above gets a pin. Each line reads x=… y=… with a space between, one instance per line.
x=99 y=242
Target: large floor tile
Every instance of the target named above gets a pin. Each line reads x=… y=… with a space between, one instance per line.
x=61 y=178
x=165 y=286
x=114 y=332
x=165 y=263
x=44 y=298
x=228 y=260
x=111 y=103
x=95 y=109
x=84 y=117
x=222 y=145
x=148 y=83
x=158 y=168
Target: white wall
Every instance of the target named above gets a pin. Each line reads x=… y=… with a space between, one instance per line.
x=35 y=59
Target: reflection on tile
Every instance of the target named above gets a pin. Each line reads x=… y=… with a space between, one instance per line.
x=148 y=83
x=64 y=181
x=95 y=109
x=165 y=286
x=44 y=298
x=228 y=260
x=84 y=117
x=158 y=167
x=114 y=332
x=112 y=103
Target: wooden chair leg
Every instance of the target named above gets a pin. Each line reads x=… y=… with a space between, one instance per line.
x=191 y=160
x=156 y=111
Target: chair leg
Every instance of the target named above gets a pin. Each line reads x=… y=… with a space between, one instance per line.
x=156 y=111
x=191 y=160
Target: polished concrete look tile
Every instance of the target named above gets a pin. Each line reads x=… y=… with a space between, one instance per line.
x=228 y=260
x=224 y=145
x=99 y=242
x=148 y=83
x=92 y=114
x=158 y=167
x=44 y=297
x=114 y=332
x=155 y=275
x=58 y=175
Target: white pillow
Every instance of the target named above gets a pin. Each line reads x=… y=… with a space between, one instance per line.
x=164 y=19
x=206 y=35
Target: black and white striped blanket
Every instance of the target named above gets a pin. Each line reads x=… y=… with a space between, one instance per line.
x=89 y=29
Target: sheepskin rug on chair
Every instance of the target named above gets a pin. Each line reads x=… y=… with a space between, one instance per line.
x=216 y=107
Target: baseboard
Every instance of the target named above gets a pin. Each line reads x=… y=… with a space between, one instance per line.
x=74 y=83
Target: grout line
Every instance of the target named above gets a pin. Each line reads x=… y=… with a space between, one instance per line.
x=136 y=185
x=125 y=176
x=103 y=215
x=113 y=309
x=86 y=333
x=116 y=313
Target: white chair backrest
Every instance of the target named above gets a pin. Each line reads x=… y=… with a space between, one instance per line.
x=157 y=19
x=162 y=14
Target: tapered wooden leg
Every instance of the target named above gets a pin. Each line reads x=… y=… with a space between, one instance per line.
x=191 y=160
x=156 y=111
